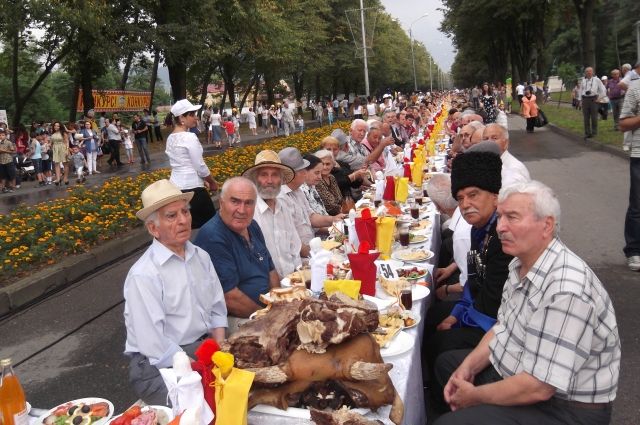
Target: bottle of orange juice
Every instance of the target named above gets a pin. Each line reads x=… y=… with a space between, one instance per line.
x=13 y=405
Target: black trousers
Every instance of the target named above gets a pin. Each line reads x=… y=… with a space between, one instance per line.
x=114 y=145
x=553 y=411
x=590 y=115
x=531 y=124
x=201 y=205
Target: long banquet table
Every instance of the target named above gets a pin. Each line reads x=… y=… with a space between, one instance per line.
x=406 y=374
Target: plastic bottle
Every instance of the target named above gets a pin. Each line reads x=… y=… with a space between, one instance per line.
x=13 y=405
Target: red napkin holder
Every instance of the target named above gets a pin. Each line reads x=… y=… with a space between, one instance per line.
x=389 y=189
x=407 y=171
x=366 y=228
x=364 y=269
x=203 y=366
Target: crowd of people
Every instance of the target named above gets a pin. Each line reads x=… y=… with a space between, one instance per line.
x=51 y=152
x=520 y=331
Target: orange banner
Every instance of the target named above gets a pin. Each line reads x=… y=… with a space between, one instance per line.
x=117 y=100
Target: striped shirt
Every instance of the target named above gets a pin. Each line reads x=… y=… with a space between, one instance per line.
x=558 y=325
x=631 y=108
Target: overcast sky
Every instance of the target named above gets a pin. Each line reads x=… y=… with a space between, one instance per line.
x=426 y=29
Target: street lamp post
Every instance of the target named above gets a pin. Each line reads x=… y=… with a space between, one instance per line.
x=430 y=76
x=637 y=40
x=413 y=58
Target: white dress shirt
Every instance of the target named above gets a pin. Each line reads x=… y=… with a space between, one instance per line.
x=170 y=301
x=513 y=171
x=185 y=157
x=280 y=235
x=301 y=211
x=461 y=242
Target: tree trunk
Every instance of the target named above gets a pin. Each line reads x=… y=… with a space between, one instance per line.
x=73 y=104
x=585 y=9
x=224 y=99
x=125 y=72
x=86 y=82
x=205 y=85
x=255 y=94
x=317 y=87
x=298 y=85
x=247 y=91
x=154 y=77
x=268 y=86
x=178 y=80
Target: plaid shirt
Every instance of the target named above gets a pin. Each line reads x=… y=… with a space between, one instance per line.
x=631 y=108
x=558 y=325
x=7 y=158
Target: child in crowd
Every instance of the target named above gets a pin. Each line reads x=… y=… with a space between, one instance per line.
x=128 y=145
x=300 y=124
x=330 y=113
x=36 y=157
x=502 y=116
x=79 y=162
x=230 y=130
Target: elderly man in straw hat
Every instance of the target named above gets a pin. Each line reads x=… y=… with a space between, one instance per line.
x=274 y=212
x=173 y=298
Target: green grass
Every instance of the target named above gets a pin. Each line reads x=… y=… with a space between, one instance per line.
x=570 y=119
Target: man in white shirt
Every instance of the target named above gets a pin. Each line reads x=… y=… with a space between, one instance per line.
x=114 y=138
x=439 y=188
x=273 y=212
x=520 y=92
x=591 y=89
x=306 y=220
x=513 y=170
x=173 y=298
x=287 y=119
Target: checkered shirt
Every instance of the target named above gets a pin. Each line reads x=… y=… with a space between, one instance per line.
x=558 y=325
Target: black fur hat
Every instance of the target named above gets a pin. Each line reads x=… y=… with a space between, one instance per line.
x=479 y=169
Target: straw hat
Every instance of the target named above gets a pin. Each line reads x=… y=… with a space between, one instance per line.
x=159 y=194
x=266 y=159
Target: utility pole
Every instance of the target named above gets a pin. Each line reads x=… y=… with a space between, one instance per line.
x=638 y=40
x=364 y=50
x=413 y=57
x=430 y=75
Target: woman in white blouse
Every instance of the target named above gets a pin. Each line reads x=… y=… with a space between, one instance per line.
x=188 y=170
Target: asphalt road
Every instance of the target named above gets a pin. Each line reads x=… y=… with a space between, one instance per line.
x=70 y=345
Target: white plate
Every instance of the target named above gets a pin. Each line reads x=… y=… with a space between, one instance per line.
x=397 y=255
x=422 y=239
x=402 y=343
x=86 y=400
x=293 y=412
x=159 y=409
x=379 y=302
x=418 y=292
x=414 y=316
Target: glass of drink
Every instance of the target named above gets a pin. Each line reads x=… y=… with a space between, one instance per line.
x=424 y=190
x=419 y=200
x=403 y=234
x=415 y=211
x=377 y=202
x=406 y=297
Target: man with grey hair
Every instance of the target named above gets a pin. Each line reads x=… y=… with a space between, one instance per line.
x=287 y=118
x=173 y=298
x=273 y=213
x=513 y=171
x=591 y=89
x=439 y=188
x=553 y=356
x=476 y=137
x=238 y=249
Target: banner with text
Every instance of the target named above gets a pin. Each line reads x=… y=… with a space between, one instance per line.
x=117 y=100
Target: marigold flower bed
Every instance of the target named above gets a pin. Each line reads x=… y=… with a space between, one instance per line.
x=34 y=236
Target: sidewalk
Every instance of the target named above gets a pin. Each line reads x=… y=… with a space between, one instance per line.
x=30 y=193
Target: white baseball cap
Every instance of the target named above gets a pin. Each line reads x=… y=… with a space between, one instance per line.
x=183 y=106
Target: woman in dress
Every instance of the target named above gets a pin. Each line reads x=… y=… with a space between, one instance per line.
x=273 y=120
x=60 y=146
x=327 y=186
x=251 y=119
x=529 y=109
x=488 y=103
x=188 y=170
x=216 y=128
x=357 y=109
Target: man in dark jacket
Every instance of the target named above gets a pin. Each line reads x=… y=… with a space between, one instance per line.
x=475 y=183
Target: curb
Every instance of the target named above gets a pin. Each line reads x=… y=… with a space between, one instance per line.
x=590 y=143
x=70 y=270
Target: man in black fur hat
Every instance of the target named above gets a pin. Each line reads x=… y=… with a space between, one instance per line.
x=475 y=183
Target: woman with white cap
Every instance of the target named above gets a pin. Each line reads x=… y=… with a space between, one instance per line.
x=188 y=169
